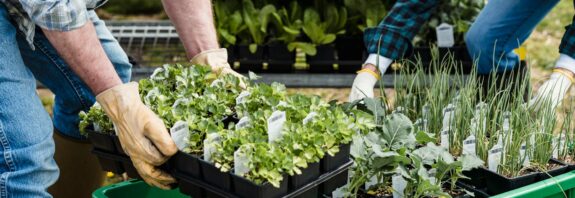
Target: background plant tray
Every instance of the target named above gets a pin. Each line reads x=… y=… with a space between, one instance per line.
x=294 y=193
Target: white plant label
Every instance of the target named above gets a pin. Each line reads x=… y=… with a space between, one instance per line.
x=494 y=157
x=372 y=181
x=558 y=144
x=445 y=139
x=310 y=116
x=245 y=121
x=241 y=161
x=445 y=35
x=180 y=134
x=522 y=155
x=216 y=82
x=97 y=127
x=242 y=97
x=275 y=125
x=469 y=145
x=398 y=185
x=210 y=145
x=432 y=173
x=426 y=112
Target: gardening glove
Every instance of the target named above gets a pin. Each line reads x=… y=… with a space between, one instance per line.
x=553 y=90
x=142 y=133
x=363 y=84
x=367 y=77
x=218 y=60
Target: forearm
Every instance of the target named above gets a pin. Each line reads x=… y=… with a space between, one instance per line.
x=82 y=51
x=194 y=22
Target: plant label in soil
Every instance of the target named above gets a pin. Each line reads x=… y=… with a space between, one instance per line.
x=241 y=161
x=97 y=127
x=494 y=157
x=245 y=121
x=310 y=116
x=398 y=185
x=426 y=115
x=180 y=134
x=469 y=145
x=275 y=125
x=523 y=156
x=242 y=97
x=445 y=36
x=445 y=139
x=210 y=145
x=432 y=173
x=372 y=181
x=558 y=144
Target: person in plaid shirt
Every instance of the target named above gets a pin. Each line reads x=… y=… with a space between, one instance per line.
x=502 y=26
x=67 y=47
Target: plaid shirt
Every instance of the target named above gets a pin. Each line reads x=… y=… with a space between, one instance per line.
x=49 y=14
x=398 y=28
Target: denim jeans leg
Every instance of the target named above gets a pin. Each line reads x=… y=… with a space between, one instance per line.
x=27 y=167
x=72 y=94
x=502 y=26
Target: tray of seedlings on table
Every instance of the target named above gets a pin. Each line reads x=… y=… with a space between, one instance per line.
x=281 y=146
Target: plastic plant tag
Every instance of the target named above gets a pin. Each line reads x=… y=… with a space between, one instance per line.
x=523 y=156
x=245 y=121
x=445 y=35
x=242 y=97
x=426 y=115
x=241 y=161
x=398 y=185
x=210 y=145
x=444 y=139
x=494 y=157
x=310 y=116
x=469 y=145
x=275 y=125
x=97 y=127
x=180 y=134
x=372 y=181
x=558 y=144
x=399 y=109
x=115 y=129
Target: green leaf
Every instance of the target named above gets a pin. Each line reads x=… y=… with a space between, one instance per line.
x=470 y=162
x=253 y=48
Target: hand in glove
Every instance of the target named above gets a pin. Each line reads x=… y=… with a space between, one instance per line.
x=141 y=132
x=363 y=84
x=218 y=60
x=553 y=90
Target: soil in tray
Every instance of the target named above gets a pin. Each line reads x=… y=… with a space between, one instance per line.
x=554 y=168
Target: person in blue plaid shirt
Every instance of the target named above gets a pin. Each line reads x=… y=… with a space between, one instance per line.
x=68 y=48
x=502 y=26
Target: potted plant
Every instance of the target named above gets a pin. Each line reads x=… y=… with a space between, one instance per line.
x=322 y=34
x=251 y=51
x=229 y=25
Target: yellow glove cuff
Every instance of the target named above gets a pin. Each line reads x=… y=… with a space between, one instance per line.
x=369 y=71
x=565 y=73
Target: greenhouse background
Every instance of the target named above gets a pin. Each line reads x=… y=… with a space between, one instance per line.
x=315 y=48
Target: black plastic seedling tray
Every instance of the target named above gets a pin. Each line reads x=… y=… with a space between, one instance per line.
x=329 y=163
x=307 y=175
x=118 y=145
x=103 y=142
x=251 y=61
x=337 y=181
x=247 y=189
x=187 y=164
x=497 y=183
x=234 y=193
x=476 y=178
x=214 y=176
x=563 y=168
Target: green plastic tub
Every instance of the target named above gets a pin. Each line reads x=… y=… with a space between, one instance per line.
x=135 y=188
x=557 y=187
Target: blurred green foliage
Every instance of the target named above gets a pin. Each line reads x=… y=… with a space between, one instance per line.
x=133 y=6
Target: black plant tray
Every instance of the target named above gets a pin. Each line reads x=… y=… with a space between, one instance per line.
x=214 y=176
x=349 y=66
x=337 y=181
x=497 y=183
x=476 y=178
x=110 y=162
x=186 y=164
x=280 y=59
x=330 y=163
x=102 y=142
x=307 y=175
x=118 y=145
x=250 y=187
x=555 y=172
x=247 y=189
x=250 y=61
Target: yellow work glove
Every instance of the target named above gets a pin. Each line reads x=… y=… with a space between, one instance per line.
x=552 y=92
x=141 y=132
x=218 y=60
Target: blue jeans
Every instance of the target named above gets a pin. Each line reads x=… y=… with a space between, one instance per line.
x=27 y=167
x=502 y=26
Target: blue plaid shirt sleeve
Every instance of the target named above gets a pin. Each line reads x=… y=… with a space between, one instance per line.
x=61 y=15
x=567 y=45
x=392 y=37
